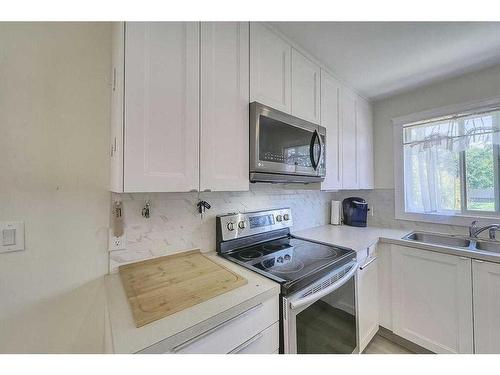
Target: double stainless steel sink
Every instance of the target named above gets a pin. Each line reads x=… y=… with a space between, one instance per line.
x=461 y=242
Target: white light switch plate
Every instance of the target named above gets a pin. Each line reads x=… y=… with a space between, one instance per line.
x=11 y=236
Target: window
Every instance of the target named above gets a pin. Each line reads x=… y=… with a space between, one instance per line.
x=450 y=165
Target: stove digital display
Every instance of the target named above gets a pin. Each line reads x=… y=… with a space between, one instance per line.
x=261 y=221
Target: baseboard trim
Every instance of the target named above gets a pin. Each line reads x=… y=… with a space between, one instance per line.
x=411 y=346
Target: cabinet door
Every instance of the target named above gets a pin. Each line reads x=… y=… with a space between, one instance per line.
x=364 y=143
x=349 y=140
x=330 y=116
x=224 y=106
x=368 y=306
x=385 y=285
x=305 y=88
x=270 y=68
x=486 y=281
x=161 y=106
x=116 y=148
x=432 y=299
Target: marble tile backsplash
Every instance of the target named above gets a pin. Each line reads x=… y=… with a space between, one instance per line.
x=175 y=225
x=382 y=201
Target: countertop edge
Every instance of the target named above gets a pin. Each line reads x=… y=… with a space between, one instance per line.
x=472 y=254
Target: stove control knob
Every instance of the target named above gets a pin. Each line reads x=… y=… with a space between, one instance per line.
x=286 y=217
x=242 y=224
x=279 y=260
x=230 y=226
x=279 y=218
x=287 y=257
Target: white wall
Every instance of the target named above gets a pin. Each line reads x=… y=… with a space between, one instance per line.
x=469 y=87
x=54 y=116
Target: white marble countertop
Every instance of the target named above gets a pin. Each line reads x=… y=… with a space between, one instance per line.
x=359 y=239
x=354 y=238
x=184 y=325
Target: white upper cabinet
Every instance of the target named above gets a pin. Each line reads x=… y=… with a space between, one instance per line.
x=116 y=147
x=224 y=106
x=364 y=136
x=330 y=119
x=432 y=299
x=349 y=140
x=305 y=88
x=161 y=106
x=486 y=284
x=180 y=102
x=270 y=68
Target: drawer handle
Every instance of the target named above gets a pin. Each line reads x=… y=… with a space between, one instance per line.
x=246 y=344
x=204 y=334
x=367 y=264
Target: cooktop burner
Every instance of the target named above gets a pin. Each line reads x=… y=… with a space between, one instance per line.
x=273 y=247
x=271 y=265
x=319 y=253
x=249 y=254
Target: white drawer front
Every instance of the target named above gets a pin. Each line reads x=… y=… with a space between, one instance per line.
x=265 y=342
x=234 y=332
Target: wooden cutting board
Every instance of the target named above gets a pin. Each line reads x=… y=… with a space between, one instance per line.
x=159 y=287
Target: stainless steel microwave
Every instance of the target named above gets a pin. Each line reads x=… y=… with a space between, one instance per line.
x=285 y=148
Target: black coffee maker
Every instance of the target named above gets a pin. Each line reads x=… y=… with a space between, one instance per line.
x=355 y=211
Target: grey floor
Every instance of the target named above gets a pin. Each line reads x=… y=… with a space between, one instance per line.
x=380 y=345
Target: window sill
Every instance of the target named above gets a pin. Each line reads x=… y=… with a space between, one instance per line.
x=458 y=220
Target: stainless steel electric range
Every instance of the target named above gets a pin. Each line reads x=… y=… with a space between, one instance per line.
x=317 y=301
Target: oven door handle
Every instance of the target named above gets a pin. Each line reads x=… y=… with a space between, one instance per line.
x=323 y=292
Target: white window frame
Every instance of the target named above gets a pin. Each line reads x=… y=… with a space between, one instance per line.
x=399 y=193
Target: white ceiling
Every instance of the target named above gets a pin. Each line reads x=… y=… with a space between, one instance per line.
x=380 y=59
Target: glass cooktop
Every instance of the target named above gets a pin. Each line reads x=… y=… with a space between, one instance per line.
x=289 y=260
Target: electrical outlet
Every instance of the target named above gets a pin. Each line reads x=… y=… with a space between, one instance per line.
x=117 y=243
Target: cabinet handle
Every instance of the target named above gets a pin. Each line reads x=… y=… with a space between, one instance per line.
x=204 y=334
x=367 y=264
x=246 y=344
x=114 y=79
x=464 y=258
x=478 y=261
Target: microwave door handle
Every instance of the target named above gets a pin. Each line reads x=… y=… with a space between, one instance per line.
x=320 y=149
x=294 y=305
x=311 y=150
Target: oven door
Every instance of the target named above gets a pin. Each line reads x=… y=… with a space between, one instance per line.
x=286 y=145
x=321 y=319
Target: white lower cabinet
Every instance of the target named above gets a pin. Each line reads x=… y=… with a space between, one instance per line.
x=486 y=281
x=253 y=331
x=265 y=342
x=385 y=285
x=432 y=299
x=368 y=301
